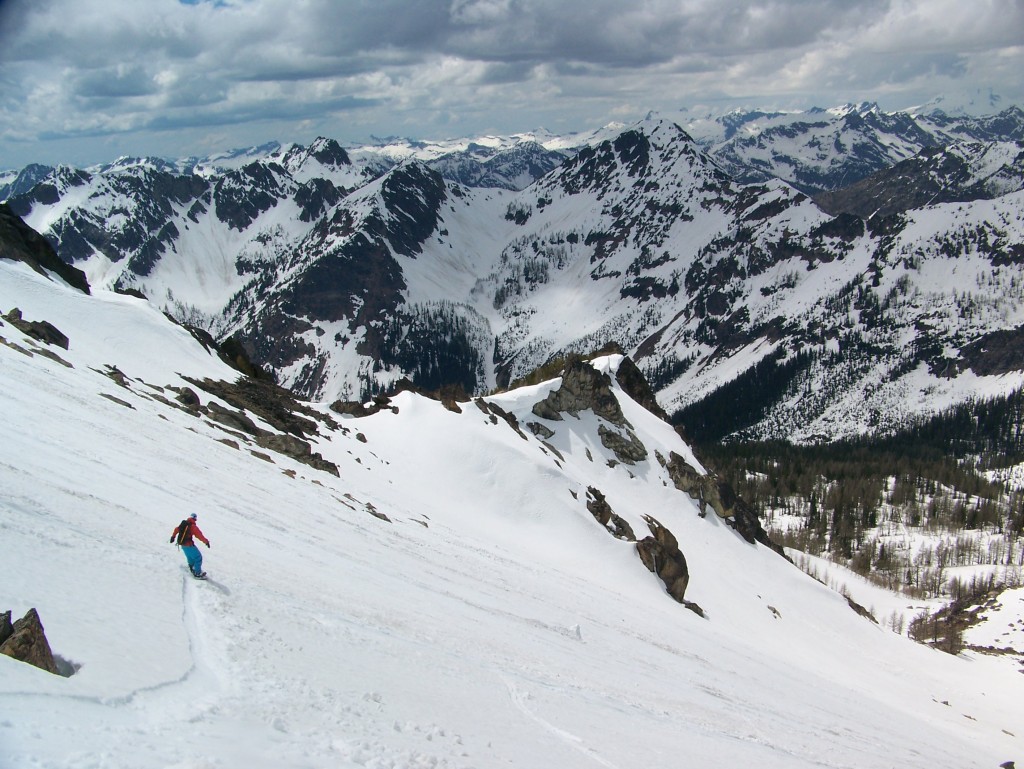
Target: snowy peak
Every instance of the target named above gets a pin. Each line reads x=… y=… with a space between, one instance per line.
x=512 y=168
x=15 y=183
x=820 y=150
x=970 y=103
x=652 y=150
x=324 y=159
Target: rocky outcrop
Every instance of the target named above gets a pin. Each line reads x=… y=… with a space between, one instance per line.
x=687 y=479
x=42 y=330
x=230 y=350
x=271 y=403
x=6 y=628
x=25 y=640
x=236 y=420
x=583 y=387
x=635 y=385
x=274 y=404
x=21 y=243
x=357 y=409
x=627 y=448
x=603 y=514
x=660 y=553
x=297 y=449
x=720 y=496
x=496 y=412
x=543 y=431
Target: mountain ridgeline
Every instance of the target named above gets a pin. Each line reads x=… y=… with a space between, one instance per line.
x=762 y=302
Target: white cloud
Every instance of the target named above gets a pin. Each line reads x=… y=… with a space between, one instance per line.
x=82 y=68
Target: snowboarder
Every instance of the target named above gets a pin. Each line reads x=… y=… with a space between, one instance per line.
x=183 y=534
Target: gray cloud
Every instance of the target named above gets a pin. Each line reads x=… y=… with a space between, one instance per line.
x=127 y=69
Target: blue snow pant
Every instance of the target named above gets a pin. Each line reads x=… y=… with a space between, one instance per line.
x=194 y=558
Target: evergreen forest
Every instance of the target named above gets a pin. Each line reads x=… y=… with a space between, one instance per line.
x=933 y=511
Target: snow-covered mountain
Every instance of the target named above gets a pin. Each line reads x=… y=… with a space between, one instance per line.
x=820 y=149
x=953 y=174
x=342 y=276
x=433 y=584
x=14 y=183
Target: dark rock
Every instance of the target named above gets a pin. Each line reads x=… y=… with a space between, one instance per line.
x=860 y=610
x=232 y=351
x=553 y=450
x=450 y=397
x=377 y=514
x=628 y=449
x=117 y=376
x=603 y=513
x=117 y=400
x=289 y=445
x=21 y=243
x=6 y=628
x=272 y=404
x=243 y=194
x=996 y=353
x=497 y=412
x=134 y=292
x=297 y=449
x=660 y=553
x=632 y=380
x=709 y=490
x=51 y=355
x=268 y=401
x=236 y=420
x=355 y=408
x=687 y=479
x=187 y=397
x=538 y=429
x=583 y=387
x=317 y=462
x=42 y=330
x=315 y=197
x=28 y=643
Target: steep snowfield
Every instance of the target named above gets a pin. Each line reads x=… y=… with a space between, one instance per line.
x=490 y=622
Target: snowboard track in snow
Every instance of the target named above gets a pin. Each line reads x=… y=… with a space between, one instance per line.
x=519 y=700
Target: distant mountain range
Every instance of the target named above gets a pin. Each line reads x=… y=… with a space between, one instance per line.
x=831 y=149
x=809 y=275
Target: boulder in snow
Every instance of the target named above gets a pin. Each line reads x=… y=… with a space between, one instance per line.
x=27 y=641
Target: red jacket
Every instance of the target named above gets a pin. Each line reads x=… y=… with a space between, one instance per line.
x=191 y=530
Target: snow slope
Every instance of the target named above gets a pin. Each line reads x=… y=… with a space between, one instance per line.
x=490 y=621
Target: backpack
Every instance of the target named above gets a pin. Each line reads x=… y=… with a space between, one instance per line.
x=183 y=530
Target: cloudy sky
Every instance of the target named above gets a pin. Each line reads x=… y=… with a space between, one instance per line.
x=84 y=81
